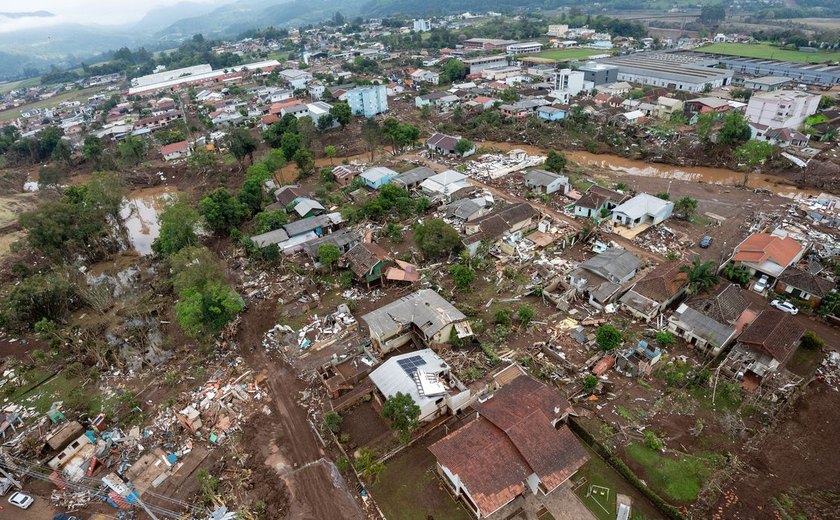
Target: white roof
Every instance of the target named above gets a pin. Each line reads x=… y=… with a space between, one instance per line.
x=397 y=374
x=635 y=114
x=447 y=182
x=378 y=173
x=642 y=204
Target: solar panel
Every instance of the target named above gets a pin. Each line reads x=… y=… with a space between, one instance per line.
x=410 y=364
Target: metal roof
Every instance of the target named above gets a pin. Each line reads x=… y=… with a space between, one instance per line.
x=425 y=309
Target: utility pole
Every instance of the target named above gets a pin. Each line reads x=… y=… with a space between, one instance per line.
x=6 y=474
x=114 y=482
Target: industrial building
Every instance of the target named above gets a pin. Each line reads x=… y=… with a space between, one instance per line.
x=599 y=73
x=670 y=70
x=811 y=73
x=476 y=65
x=524 y=48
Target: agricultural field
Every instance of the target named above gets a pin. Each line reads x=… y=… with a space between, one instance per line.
x=566 y=54
x=767 y=51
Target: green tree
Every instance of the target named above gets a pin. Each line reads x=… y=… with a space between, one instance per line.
x=555 y=162
x=325 y=122
x=328 y=255
x=665 y=338
x=304 y=161
x=436 y=238
x=753 y=152
x=201 y=313
x=194 y=267
x=367 y=464
x=290 y=143
x=737 y=273
x=463 y=146
x=686 y=207
x=703 y=127
x=266 y=221
x=177 y=229
x=701 y=276
x=51 y=295
x=590 y=382
x=242 y=144
x=51 y=176
x=342 y=113
x=735 y=129
x=132 y=150
x=810 y=341
x=330 y=152
x=509 y=95
x=608 y=337
x=403 y=413
x=454 y=70
x=92 y=149
x=252 y=196
x=712 y=14
x=462 y=275
x=827 y=101
x=201 y=160
x=371 y=135
x=222 y=211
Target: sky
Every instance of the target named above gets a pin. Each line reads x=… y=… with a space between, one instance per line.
x=90 y=12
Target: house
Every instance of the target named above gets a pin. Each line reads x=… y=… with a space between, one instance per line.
x=297 y=79
x=343 y=239
x=704 y=332
x=804 y=285
x=703 y=105
x=643 y=209
x=619 y=88
x=514 y=220
x=317 y=110
x=306 y=207
x=288 y=194
x=516 y=445
x=444 y=185
x=466 y=210
x=655 y=291
x=767 y=253
x=377 y=177
x=484 y=102
x=638 y=360
x=424 y=315
x=597 y=201
x=275 y=237
x=367 y=261
x=425 y=76
x=765 y=346
x=547 y=182
x=343 y=175
x=412 y=178
x=175 y=151
x=402 y=272
x=782 y=137
x=427 y=378
x=666 y=107
x=446 y=145
x=551 y=113
x=432 y=99
x=602 y=277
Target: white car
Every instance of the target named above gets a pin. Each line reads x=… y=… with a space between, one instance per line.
x=784 y=306
x=21 y=500
x=761 y=284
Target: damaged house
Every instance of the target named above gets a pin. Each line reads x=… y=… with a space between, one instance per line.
x=517 y=446
x=642 y=210
x=597 y=202
x=423 y=315
x=658 y=289
x=368 y=262
x=712 y=322
x=804 y=285
x=517 y=219
x=602 y=277
x=547 y=182
x=427 y=378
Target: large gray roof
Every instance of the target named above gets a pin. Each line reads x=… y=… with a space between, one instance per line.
x=425 y=309
x=702 y=326
x=613 y=264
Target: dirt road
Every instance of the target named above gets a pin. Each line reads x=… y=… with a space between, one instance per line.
x=285 y=439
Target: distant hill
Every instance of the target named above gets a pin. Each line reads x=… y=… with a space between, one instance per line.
x=162 y=17
x=428 y=7
x=31 y=14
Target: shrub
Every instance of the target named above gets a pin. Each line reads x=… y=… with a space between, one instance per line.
x=608 y=337
x=664 y=338
x=652 y=441
x=332 y=421
x=811 y=341
x=525 y=314
x=590 y=382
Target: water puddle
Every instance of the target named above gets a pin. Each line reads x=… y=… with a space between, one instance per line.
x=140 y=215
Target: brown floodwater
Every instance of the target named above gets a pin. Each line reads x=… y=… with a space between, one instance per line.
x=140 y=216
x=720 y=176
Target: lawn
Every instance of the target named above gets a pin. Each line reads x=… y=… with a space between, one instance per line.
x=24 y=83
x=767 y=51
x=598 y=473
x=72 y=95
x=409 y=488
x=676 y=479
x=566 y=54
x=60 y=387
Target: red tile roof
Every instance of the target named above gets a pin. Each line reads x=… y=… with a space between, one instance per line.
x=761 y=247
x=775 y=333
x=512 y=438
x=180 y=146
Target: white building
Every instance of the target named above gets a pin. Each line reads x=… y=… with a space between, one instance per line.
x=297 y=79
x=568 y=83
x=368 y=101
x=558 y=30
x=524 y=48
x=642 y=209
x=425 y=76
x=422 y=25
x=782 y=108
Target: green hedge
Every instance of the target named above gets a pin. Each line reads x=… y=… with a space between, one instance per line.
x=625 y=471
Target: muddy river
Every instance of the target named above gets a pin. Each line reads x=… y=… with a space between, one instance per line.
x=140 y=214
x=721 y=176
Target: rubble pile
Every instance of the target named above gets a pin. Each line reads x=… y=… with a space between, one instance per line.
x=493 y=166
x=72 y=501
x=829 y=371
x=660 y=240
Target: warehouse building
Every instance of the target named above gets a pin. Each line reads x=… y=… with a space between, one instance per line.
x=476 y=65
x=670 y=70
x=812 y=73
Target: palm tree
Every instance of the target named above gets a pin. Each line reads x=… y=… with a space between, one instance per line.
x=702 y=276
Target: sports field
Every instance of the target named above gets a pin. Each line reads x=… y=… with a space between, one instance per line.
x=769 y=52
x=566 y=54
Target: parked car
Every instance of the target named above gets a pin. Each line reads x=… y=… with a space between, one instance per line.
x=706 y=241
x=761 y=284
x=784 y=306
x=64 y=516
x=21 y=500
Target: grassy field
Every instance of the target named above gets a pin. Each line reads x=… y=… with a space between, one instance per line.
x=72 y=95
x=24 y=83
x=566 y=54
x=676 y=479
x=767 y=51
